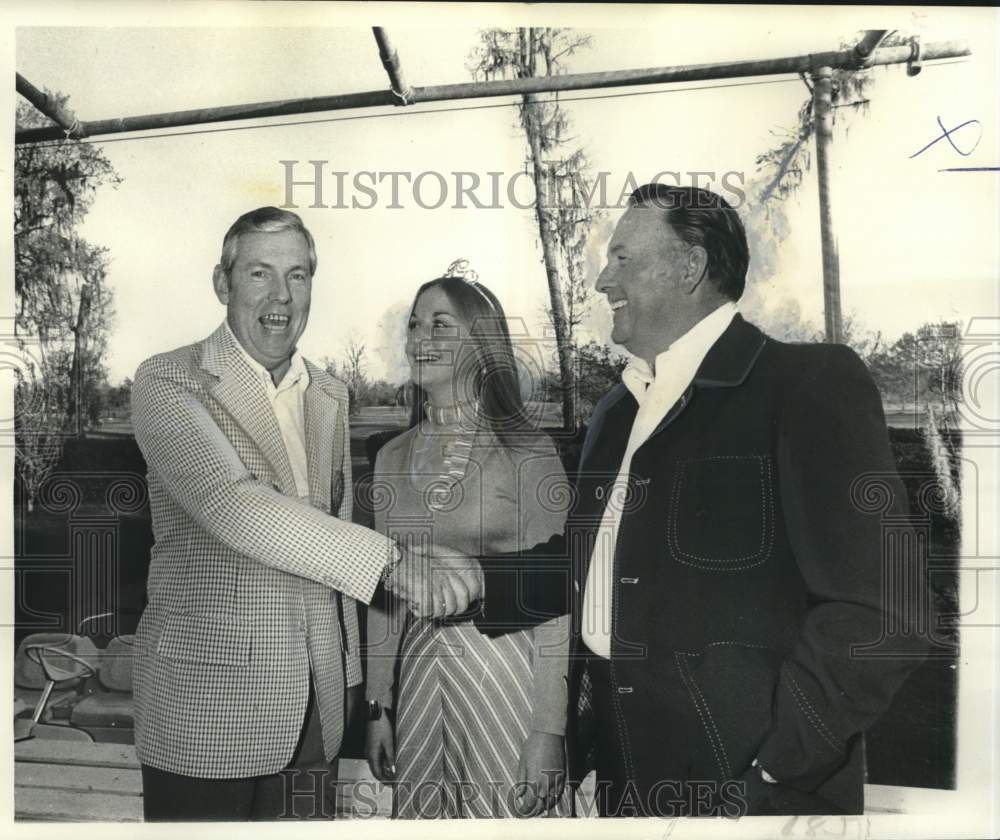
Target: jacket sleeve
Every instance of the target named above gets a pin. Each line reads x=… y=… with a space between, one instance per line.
x=201 y=471
x=528 y=587
x=833 y=436
x=532 y=586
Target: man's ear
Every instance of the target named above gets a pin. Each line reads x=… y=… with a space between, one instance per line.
x=220 y=282
x=695 y=268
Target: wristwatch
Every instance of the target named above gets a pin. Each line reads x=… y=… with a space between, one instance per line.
x=376 y=709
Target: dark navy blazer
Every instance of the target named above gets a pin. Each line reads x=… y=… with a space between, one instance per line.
x=749 y=567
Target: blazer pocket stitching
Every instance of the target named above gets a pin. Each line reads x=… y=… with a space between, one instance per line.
x=802 y=700
x=767 y=520
x=714 y=738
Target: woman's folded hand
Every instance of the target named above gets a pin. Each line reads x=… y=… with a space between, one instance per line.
x=541 y=775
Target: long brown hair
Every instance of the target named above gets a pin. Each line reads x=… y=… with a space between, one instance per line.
x=494 y=378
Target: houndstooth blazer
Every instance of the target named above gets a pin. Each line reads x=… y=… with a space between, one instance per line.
x=243 y=578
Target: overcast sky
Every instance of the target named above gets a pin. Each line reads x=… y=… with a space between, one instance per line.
x=915 y=244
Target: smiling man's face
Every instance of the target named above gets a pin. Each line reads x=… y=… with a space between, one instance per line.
x=267 y=296
x=642 y=282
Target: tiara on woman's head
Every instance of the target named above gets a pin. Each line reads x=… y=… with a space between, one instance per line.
x=463 y=271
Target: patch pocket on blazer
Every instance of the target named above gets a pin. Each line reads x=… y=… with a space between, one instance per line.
x=204 y=640
x=721 y=514
x=731 y=685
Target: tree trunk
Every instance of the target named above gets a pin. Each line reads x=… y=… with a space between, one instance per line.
x=549 y=248
x=75 y=400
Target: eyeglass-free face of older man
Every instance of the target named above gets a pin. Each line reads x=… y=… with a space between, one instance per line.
x=267 y=292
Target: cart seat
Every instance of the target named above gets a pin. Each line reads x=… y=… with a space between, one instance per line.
x=109 y=713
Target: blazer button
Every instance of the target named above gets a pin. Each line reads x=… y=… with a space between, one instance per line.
x=629 y=580
x=624 y=689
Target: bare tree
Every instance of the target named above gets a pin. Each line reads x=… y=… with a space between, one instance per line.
x=562 y=209
x=352 y=369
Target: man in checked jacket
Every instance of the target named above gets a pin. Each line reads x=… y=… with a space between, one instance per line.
x=249 y=643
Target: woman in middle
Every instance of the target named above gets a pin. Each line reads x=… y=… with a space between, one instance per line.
x=479 y=722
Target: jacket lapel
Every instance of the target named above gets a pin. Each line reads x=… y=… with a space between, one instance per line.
x=240 y=393
x=597 y=419
x=321 y=409
x=726 y=365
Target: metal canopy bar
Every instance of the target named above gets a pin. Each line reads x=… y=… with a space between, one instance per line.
x=844 y=59
x=390 y=61
x=227 y=113
x=869 y=42
x=48 y=107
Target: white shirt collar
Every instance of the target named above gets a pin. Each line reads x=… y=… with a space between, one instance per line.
x=297 y=374
x=691 y=348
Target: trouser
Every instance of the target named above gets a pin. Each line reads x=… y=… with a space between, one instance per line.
x=306 y=789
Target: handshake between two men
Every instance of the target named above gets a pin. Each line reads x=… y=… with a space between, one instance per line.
x=435 y=581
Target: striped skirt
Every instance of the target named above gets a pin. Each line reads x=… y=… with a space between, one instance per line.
x=463 y=717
